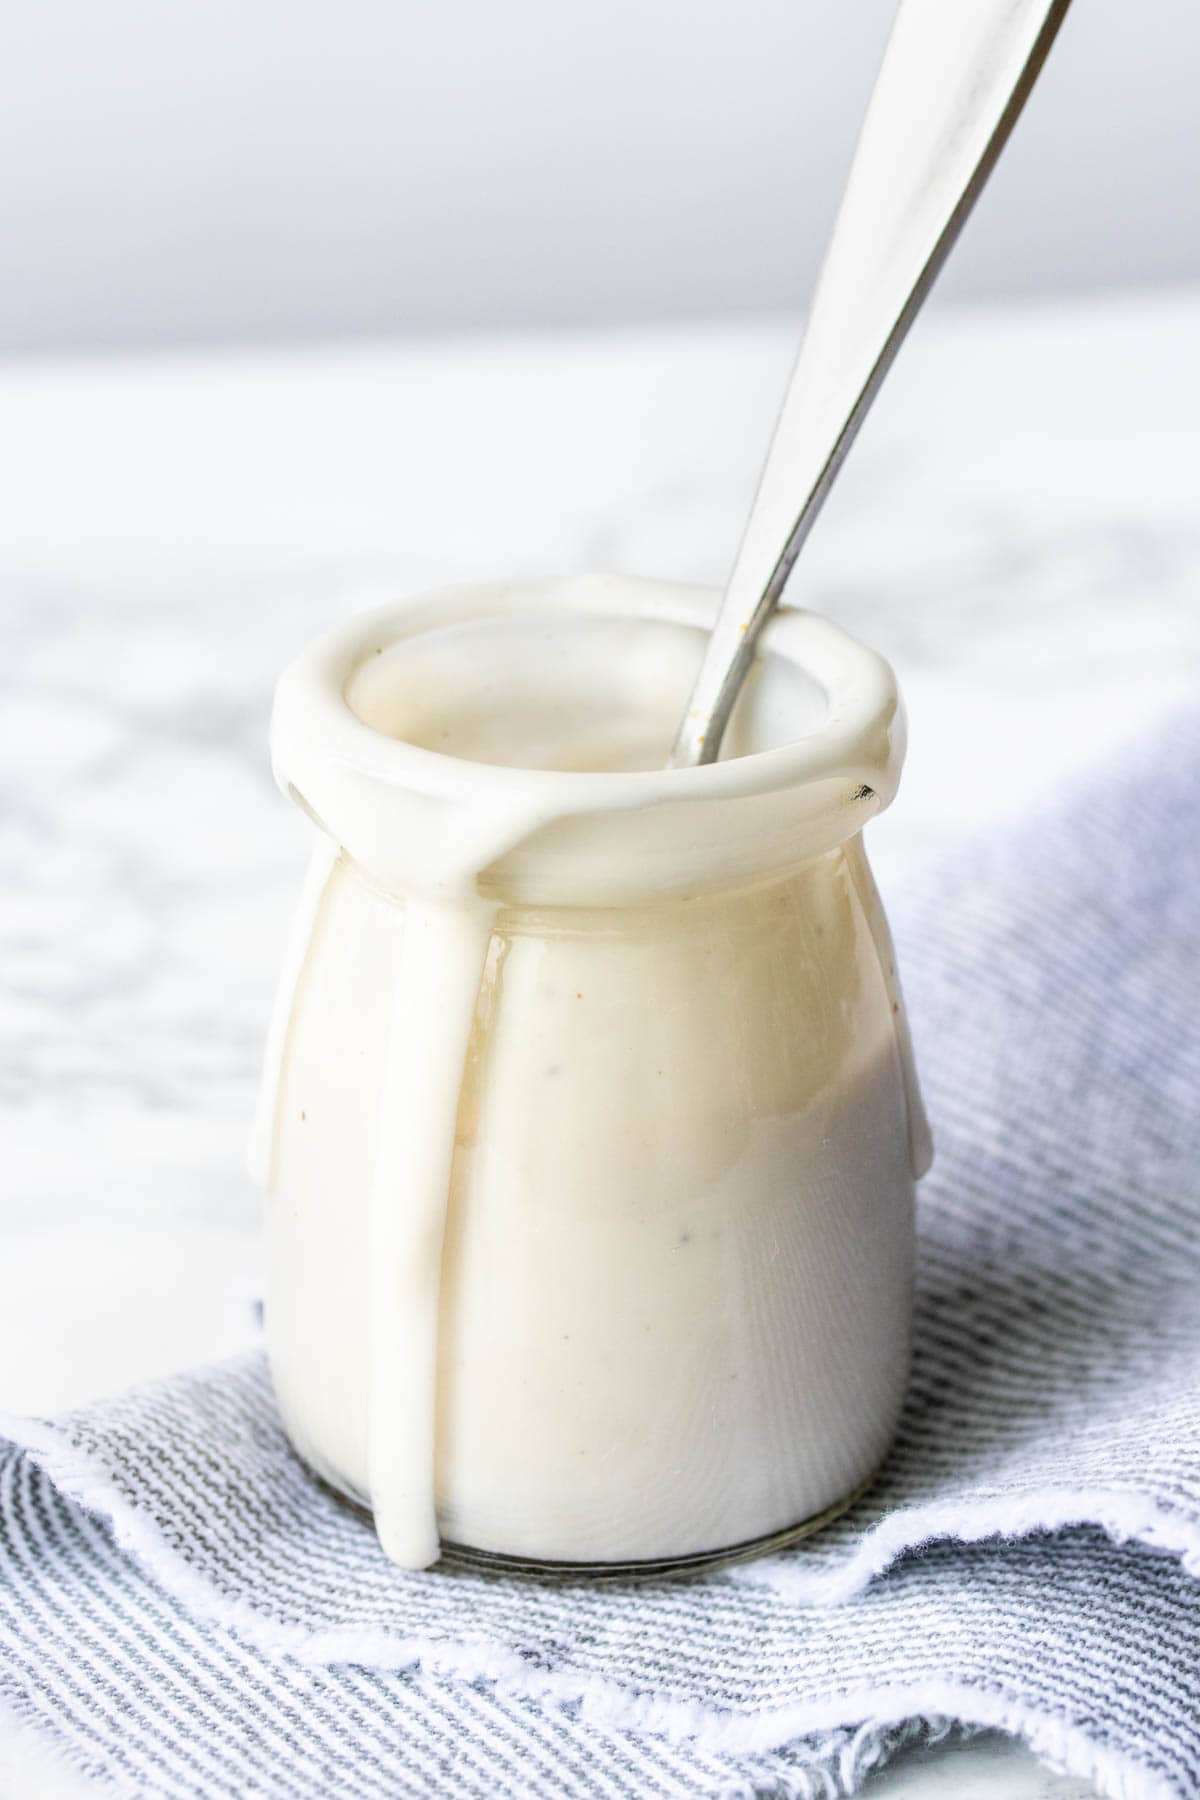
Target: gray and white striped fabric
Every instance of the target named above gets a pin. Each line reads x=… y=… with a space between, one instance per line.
x=184 y=1613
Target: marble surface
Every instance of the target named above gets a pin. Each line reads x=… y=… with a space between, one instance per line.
x=1017 y=529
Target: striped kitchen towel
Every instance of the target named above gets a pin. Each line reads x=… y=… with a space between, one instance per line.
x=185 y=1614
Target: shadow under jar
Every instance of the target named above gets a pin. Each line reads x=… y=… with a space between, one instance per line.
x=589 y=1125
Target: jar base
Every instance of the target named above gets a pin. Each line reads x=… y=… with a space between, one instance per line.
x=468 y=1559
x=495 y=1562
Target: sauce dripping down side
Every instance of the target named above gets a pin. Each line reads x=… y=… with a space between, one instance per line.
x=443 y=952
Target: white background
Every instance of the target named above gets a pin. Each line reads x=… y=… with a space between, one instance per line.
x=245 y=170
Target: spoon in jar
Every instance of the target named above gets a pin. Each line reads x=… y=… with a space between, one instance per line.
x=955 y=76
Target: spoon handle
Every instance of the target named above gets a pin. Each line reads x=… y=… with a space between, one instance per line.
x=955 y=76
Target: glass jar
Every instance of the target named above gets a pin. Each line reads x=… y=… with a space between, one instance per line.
x=589 y=1127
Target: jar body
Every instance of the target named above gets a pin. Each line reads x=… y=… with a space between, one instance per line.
x=590 y=1128
x=675 y=1279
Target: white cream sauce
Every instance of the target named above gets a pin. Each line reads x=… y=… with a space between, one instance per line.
x=442 y=1410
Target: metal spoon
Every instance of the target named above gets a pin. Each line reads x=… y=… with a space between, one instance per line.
x=955 y=76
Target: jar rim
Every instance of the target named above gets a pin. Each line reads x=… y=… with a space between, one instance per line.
x=420 y=820
x=862 y=725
